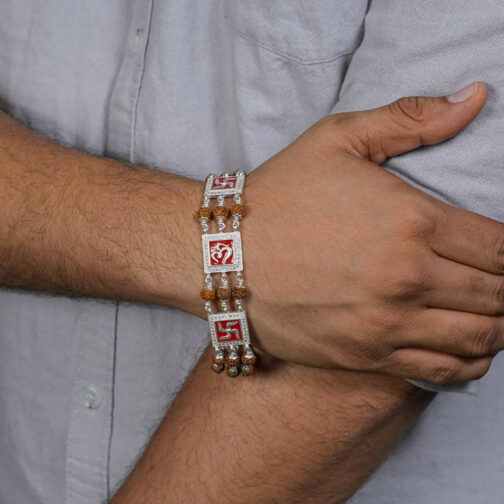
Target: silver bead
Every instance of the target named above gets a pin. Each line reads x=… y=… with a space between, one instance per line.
x=239 y=279
x=248 y=353
x=246 y=369
x=233 y=354
x=233 y=371
x=218 y=368
x=220 y=200
x=236 y=224
x=224 y=280
x=219 y=354
x=237 y=198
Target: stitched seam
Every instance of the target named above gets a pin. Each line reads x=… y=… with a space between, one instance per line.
x=69 y=493
x=136 y=96
x=290 y=57
x=112 y=398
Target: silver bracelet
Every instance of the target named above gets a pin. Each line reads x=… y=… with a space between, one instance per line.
x=222 y=254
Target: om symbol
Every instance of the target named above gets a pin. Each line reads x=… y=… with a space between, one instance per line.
x=221 y=252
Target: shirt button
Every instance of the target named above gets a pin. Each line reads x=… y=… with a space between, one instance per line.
x=92 y=397
x=136 y=40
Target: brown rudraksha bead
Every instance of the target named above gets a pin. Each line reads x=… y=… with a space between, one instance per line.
x=220 y=211
x=238 y=210
x=219 y=360
x=204 y=212
x=239 y=292
x=233 y=361
x=248 y=360
x=223 y=293
x=208 y=294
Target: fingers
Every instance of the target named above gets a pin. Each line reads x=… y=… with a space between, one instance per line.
x=408 y=123
x=435 y=367
x=455 y=286
x=469 y=238
x=456 y=333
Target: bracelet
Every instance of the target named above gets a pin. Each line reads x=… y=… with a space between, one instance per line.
x=222 y=253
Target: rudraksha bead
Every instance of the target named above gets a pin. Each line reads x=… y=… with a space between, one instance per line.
x=204 y=212
x=220 y=211
x=208 y=294
x=233 y=361
x=238 y=210
x=223 y=293
x=248 y=360
x=219 y=360
x=239 y=292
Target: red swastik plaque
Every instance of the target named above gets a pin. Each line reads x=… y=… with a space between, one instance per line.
x=224 y=182
x=228 y=331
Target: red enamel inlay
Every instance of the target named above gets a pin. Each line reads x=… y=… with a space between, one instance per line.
x=228 y=331
x=224 y=182
x=221 y=252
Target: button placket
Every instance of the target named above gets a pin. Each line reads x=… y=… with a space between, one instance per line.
x=90 y=427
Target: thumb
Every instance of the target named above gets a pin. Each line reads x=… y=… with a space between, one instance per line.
x=409 y=123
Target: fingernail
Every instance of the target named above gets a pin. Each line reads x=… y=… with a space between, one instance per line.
x=463 y=94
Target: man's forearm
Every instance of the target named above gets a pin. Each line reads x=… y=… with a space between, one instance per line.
x=290 y=435
x=78 y=224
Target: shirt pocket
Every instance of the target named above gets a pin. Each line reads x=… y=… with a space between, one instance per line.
x=306 y=31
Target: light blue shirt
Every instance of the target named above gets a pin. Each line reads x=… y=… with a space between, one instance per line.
x=192 y=88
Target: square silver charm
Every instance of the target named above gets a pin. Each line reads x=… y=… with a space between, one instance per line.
x=228 y=329
x=224 y=186
x=222 y=252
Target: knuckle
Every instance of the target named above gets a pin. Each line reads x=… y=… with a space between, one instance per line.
x=332 y=132
x=331 y=124
x=414 y=221
x=485 y=339
x=445 y=372
x=408 y=110
x=498 y=295
x=379 y=320
x=406 y=280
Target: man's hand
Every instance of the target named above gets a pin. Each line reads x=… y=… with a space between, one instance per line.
x=350 y=267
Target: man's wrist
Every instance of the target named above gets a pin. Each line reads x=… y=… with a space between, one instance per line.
x=178 y=286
